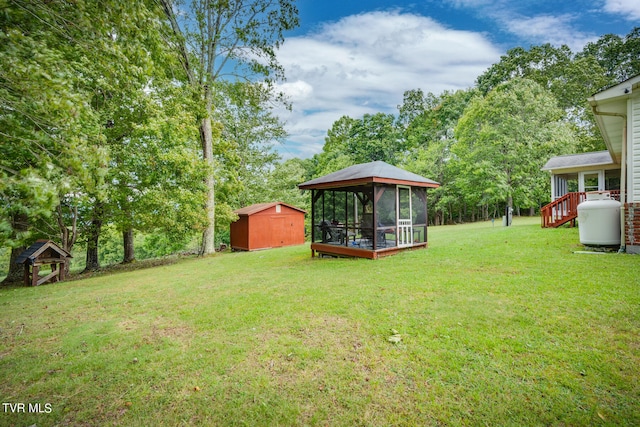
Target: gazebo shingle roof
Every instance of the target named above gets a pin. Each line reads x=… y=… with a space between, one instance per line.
x=363 y=173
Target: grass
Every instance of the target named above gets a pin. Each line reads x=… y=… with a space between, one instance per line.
x=498 y=326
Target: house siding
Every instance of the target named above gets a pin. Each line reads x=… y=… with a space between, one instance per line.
x=634 y=154
x=632 y=208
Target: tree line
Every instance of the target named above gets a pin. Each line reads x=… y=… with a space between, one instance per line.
x=155 y=118
x=145 y=116
x=486 y=144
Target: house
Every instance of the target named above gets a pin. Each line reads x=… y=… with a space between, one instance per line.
x=572 y=176
x=617 y=170
x=267 y=225
x=368 y=210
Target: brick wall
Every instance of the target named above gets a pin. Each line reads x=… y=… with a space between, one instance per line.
x=632 y=224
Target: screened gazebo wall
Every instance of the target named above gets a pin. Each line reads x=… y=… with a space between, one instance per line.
x=368 y=210
x=373 y=217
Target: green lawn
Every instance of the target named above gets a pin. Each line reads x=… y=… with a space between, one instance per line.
x=496 y=326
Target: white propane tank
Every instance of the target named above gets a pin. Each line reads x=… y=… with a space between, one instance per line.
x=599 y=220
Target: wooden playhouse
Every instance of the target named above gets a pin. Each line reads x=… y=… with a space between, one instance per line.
x=40 y=254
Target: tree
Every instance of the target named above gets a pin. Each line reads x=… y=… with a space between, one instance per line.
x=413 y=119
x=215 y=38
x=46 y=122
x=619 y=57
x=504 y=139
x=246 y=149
x=75 y=86
x=350 y=141
x=119 y=68
x=570 y=78
x=282 y=182
x=375 y=137
x=430 y=134
x=335 y=155
x=155 y=183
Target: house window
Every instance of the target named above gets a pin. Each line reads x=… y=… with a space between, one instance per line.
x=612 y=180
x=591 y=181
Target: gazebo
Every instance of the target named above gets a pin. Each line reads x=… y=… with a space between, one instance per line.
x=368 y=210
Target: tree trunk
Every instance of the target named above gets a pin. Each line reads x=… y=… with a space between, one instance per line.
x=16 y=271
x=93 y=236
x=206 y=138
x=20 y=224
x=68 y=237
x=129 y=251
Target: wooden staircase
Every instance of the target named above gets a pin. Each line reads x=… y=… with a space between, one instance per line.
x=565 y=209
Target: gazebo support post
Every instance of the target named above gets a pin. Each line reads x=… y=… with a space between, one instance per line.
x=374 y=217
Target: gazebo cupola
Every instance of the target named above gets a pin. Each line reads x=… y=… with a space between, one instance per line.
x=368 y=210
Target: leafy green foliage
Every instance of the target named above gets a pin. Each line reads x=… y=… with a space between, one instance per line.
x=350 y=141
x=504 y=139
x=282 y=184
x=156 y=176
x=231 y=38
x=619 y=57
x=375 y=137
x=245 y=152
x=570 y=77
x=48 y=125
x=430 y=135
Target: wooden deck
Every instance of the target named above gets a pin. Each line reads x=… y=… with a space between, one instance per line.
x=344 y=251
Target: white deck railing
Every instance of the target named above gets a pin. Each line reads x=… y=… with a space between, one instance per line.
x=405 y=232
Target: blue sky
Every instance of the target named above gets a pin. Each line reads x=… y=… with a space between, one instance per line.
x=353 y=57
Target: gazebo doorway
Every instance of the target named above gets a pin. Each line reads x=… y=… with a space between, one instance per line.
x=404 y=219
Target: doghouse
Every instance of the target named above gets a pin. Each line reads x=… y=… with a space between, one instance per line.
x=267 y=225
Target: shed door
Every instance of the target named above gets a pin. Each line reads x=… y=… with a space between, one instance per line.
x=405 y=225
x=279 y=231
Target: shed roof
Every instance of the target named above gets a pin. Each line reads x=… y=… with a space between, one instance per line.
x=32 y=252
x=363 y=173
x=259 y=207
x=572 y=161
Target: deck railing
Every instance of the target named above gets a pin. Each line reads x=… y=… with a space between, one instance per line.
x=565 y=209
x=405 y=232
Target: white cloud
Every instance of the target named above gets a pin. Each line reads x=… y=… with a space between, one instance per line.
x=557 y=30
x=629 y=8
x=296 y=91
x=364 y=63
x=523 y=20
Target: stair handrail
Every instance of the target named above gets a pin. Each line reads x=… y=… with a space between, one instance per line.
x=562 y=209
x=565 y=208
